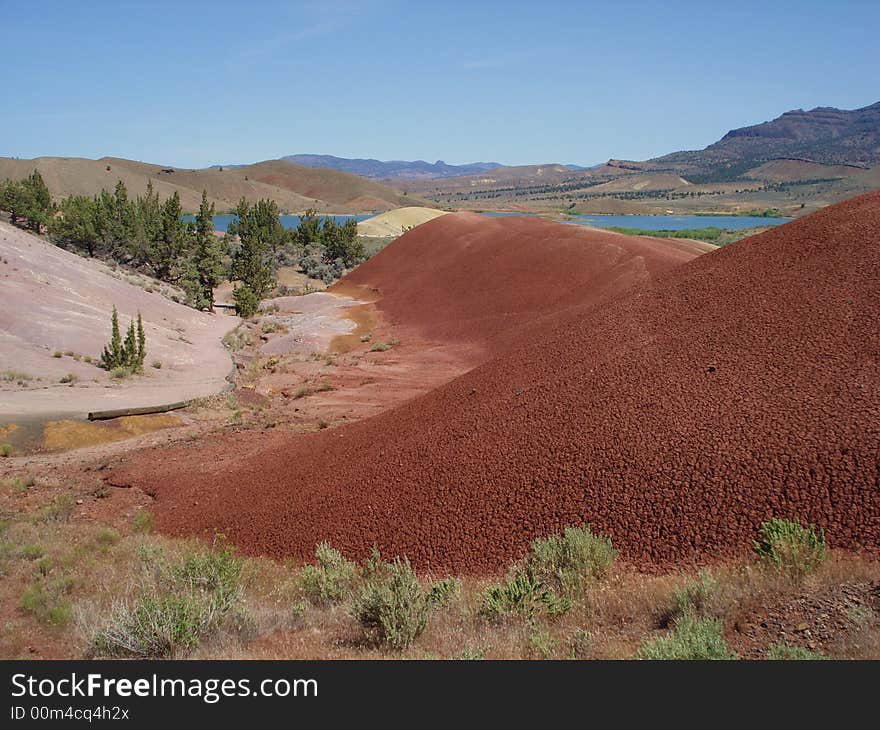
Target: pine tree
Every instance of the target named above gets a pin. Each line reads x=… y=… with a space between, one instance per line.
x=37 y=202
x=252 y=265
x=141 y=344
x=167 y=254
x=206 y=265
x=130 y=349
x=113 y=355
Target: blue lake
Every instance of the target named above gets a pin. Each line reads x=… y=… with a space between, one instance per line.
x=663 y=222
x=221 y=222
x=643 y=222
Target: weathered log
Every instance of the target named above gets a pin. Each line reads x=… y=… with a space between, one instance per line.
x=143 y=411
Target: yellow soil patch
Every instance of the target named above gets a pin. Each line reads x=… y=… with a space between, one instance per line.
x=7 y=431
x=68 y=434
x=364 y=317
x=393 y=222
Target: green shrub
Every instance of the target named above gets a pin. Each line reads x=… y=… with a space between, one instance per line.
x=379 y=347
x=157 y=364
x=30 y=552
x=694 y=597
x=142 y=522
x=59 y=510
x=47 y=601
x=246 y=301
x=393 y=609
x=6 y=450
x=570 y=561
x=70 y=378
x=57 y=354
x=472 y=653
x=185 y=602
x=330 y=579
x=579 y=644
x=790 y=547
x=690 y=639
x=107 y=536
x=522 y=595
x=780 y=651
x=443 y=591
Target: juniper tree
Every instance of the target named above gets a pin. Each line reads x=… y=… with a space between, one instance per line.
x=205 y=269
x=129 y=348
x=37 y=202
x=252 y=263
x=113 y=355
x=141 y=343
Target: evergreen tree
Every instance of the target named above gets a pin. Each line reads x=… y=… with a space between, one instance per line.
x=38 y=206
x=12 y=199
x=252 y=264
x=141 y=343
x=76 y=225
x=113 y=355
x=206 y=265
x=130 y=349
x=168 y=251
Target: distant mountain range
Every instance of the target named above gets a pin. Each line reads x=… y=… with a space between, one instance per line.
x=378 y=170
x=822 y=135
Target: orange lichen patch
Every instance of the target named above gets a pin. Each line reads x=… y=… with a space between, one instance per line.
x=68 y=434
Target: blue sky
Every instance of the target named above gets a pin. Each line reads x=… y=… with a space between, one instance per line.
x=197 y=83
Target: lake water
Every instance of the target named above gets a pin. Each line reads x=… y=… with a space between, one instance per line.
x=663 y=222
x=643 y=222
x=221 y=222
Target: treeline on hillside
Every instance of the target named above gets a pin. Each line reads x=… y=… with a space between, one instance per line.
x=147 y=235
x=27 y=200
x=151 y=236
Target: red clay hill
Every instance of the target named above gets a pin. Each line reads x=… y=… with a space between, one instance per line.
x=675 y=417
x=468 y=278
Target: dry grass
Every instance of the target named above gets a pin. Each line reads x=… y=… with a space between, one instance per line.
x=60 y=571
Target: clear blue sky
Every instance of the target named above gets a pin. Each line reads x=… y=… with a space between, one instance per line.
x=197 y=83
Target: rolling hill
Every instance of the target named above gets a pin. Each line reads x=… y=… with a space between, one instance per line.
x=294 y=187
x=675 y=414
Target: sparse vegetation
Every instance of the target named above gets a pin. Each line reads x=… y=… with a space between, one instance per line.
x=781 y=651
x=47 y=600
x=14 y=376
x=143 y=522
x=569 y=562
x=330 y=579
x=693 y=598
x=521 y=594
x=393 y=606
x=691 y=639
x=790 y=547
x=178 y=604
x=126 y=355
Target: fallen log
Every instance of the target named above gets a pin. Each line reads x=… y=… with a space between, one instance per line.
x=143 y=411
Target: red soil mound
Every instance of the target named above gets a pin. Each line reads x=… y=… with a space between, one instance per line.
x=740 y=386
x=469 y=278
